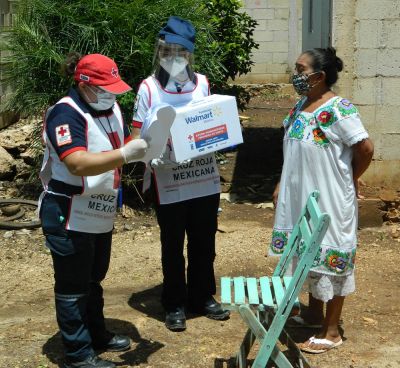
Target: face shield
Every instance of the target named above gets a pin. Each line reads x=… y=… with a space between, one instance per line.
x=173 y=63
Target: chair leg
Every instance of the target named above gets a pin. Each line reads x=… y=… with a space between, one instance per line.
x=244 y=350
x=256 y=328
x=248 y=341
x=288 y=341
x=252 y=322
x=277 y=356
x=260 y=333
x=285 y=339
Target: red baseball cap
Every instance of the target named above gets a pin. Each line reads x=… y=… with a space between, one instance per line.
x=101 y=71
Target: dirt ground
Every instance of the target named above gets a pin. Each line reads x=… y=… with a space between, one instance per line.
x=28 y=331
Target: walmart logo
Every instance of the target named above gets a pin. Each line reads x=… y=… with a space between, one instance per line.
x=208 y=114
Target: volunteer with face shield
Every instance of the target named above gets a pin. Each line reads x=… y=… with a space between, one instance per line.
x=185 y=203
x=86 y=144
x=174 y=69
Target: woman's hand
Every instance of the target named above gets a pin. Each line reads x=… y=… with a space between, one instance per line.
x=362 y=156
x=275 y=195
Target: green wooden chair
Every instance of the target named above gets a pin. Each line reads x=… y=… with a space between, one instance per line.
x=265 y=303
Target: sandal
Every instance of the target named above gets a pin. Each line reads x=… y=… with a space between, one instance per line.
x=325 y=345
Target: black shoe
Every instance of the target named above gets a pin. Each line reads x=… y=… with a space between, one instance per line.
x=115 y=343
x=211 y=309
x=175 y=319
x=92 y=361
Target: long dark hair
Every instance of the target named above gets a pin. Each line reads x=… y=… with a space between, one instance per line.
x=69 y=65
x=326 y=60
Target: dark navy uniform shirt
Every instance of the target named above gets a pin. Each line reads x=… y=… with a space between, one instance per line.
x=64 y=114
x=66 y=129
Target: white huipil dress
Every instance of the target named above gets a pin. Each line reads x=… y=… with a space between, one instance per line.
x=318 y=155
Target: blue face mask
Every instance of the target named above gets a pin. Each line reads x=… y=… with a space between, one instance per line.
x=301 y=83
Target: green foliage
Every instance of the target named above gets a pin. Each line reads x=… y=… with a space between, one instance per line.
x=233 y=36
x=47 y=30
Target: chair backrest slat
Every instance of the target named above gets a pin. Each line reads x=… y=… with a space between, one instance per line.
x=288 y=253
x=305 y=230
x=313 y=210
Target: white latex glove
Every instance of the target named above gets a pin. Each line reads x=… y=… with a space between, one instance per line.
x=134 y=150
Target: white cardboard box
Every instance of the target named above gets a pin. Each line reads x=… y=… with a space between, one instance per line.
x=205 y=126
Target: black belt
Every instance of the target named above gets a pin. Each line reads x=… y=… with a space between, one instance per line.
x=64 y=188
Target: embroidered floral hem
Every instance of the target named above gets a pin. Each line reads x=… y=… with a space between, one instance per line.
x=329 y=260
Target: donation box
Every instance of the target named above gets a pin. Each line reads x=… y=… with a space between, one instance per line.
x=205 y=126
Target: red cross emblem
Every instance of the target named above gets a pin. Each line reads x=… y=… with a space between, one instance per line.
x=63 y=135
x=190 y=137
x=114 y=72
x=62 y=131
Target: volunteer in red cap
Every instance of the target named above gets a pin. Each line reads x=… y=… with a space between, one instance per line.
x=86 y=145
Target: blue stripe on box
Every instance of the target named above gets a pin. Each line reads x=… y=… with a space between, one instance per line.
x=206 y=142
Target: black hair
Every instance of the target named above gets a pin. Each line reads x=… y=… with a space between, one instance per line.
x=69 y=65
x=326 y=60
x=162 y=76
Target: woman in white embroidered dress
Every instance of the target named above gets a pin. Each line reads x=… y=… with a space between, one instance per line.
x=326 y=147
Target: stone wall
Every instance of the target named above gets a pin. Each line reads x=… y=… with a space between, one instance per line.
x=366 y=35
x=7 y=11
x=279 y=36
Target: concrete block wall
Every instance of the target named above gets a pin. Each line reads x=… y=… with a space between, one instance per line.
x=279 y=36
x=365 y=34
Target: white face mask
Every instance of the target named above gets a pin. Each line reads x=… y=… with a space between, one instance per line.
x=105 y=101
x=175 y=67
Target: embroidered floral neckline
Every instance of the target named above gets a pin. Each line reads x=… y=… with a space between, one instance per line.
x=319 y=107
